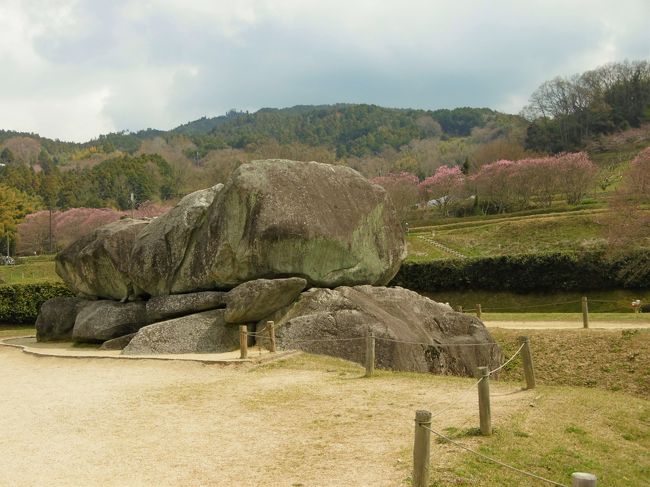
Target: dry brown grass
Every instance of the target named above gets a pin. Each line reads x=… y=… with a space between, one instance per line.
x=617 y=360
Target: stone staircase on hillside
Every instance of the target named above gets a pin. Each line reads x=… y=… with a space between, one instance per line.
x=442 y=247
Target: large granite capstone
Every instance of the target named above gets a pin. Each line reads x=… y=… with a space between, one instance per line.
x=280 y=218
x=272 y=219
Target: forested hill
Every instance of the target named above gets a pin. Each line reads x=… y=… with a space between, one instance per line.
x=348 y=129
x=584 y=112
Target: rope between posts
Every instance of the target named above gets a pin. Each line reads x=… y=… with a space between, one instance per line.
x=523 y=472
x=460 y=396
x=507 y=361
x=437 y=344
x=324 y=340
x=529 y=306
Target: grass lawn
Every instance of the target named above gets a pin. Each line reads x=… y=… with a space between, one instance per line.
x=564 y=430
x=545 y=233
x=30 y=270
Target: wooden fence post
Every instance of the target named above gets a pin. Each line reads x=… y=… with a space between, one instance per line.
x=271 y=326
x=580 y=479
x=370 y=353
x=243 y=341
x=421 y=448
x=485 y=415
x=585 y=312
x=478 y=311
x=529 y=370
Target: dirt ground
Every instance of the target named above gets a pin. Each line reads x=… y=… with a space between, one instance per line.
x=303 y=421
x=561 y=325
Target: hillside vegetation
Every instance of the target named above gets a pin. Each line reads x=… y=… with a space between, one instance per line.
x=465 y=162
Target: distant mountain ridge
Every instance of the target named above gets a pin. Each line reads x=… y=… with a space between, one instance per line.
x=350 y=129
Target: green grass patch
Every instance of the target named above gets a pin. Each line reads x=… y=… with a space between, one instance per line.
x=554 y=233
x=30 y=270
x=588 y=432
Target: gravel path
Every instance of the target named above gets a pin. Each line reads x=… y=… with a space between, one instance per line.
x=305 y=421
x=543 y=325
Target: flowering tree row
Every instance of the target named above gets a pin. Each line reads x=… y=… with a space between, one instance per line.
x=500 y=186
x=69 y=225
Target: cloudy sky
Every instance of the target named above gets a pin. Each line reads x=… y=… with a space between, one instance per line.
x=72 y=69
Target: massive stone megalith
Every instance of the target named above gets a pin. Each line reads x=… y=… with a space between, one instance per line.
x=273 y=218
x=275 y=228
x=97 y=265
x=279 y=218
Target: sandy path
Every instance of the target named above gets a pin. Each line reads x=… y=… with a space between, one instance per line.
x=544 y=325
x=307 y=421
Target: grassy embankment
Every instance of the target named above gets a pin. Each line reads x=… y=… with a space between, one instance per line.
x=485 y=237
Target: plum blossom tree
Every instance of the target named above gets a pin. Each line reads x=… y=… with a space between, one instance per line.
x=445 y=186
x=70 y=225
x=492 y=185
x=629 y=219
x=402 y=188
x=507 y=185
x=575 y=175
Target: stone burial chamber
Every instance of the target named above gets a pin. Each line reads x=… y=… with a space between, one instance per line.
x=310 y=246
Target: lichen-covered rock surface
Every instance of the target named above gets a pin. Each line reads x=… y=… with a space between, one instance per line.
x=97 y=265
x=413 y=333
x=205 y=332
x=280 y=218
x=159 y=251
x=174 y=305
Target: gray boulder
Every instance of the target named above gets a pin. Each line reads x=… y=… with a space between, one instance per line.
x=117 y=343
x=205 y=332
x=104 y=320
x=413 y=332
x=160 y=248
x=279 y=218
x=174 y=305
x=254 y=300
x=97 y=264
x=56 y=318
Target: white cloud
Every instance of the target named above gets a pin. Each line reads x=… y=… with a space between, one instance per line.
x=74 y=68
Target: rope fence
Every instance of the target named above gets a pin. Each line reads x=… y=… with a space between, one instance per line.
x=422 y=442
x=491 y=459
x=616 y=307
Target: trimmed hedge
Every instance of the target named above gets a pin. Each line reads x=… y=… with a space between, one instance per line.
x=530 y=272
x=19 y=303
